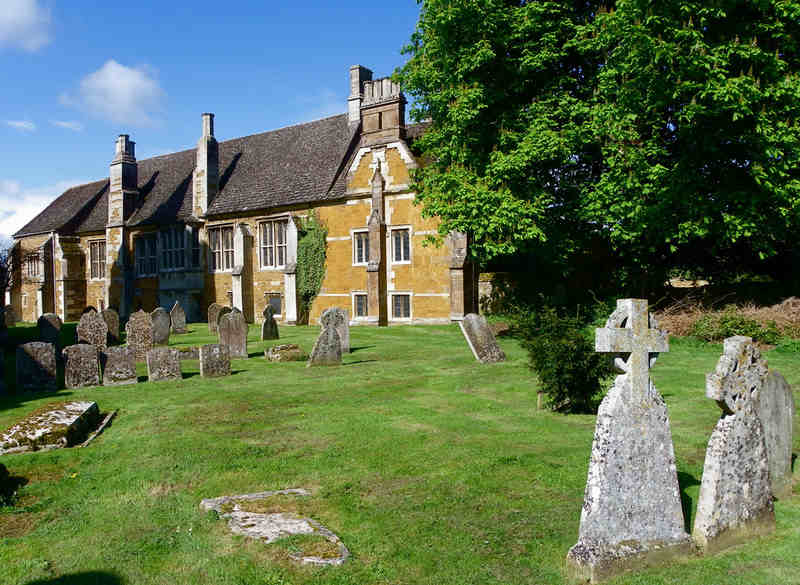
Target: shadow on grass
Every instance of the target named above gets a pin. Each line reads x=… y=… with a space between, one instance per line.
x=8 y=489
x=354 y=349
x=187 y=375
x=256 y=354
x=8 y=401
x=359 y=362
x=686 y=480
x=794 y=458
x=87 y=578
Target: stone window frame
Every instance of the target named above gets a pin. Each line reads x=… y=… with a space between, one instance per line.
x=173 y=246
x=32 y=266
x=272 y=221
x=97 y=260
x=400 y=293
x=356 y=234
x=354 y=305
x=150 y=258
x=400 y=228
x=225 y=253
x=195 y=247
x=24 y=300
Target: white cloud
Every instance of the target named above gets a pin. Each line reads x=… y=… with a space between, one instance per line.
x=24 y=24
x=322 y=104
x=22 y=125
x=20 y=204
x=75 y=126
x=123 y=95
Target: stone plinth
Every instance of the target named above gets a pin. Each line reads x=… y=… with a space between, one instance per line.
x=81 y=366
x=36 y=367
x=119 y=366
x=64 y=425
x=480 y=339
x=215 y=361
x=163 y=363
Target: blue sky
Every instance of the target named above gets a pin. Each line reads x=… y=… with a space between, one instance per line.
x=77 y=73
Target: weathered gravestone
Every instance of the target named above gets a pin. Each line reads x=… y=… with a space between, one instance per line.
x=735 y=500
x=161 y=326
x=8 y=316
x=178 y=317
x=215 y=361
x=139 y=334
x=327 y=350
x=287 y=352
x=163 y=363
x=775 y=408
x=631 y=512
x=92 y=329
x=480 y=339
x=62 y=425
x=269 y=328
x=119 y=366
x=81 y=366
x=213 y=317
x=222 y=312
x=233 y=333
x=339 y=320
x=50 y=328
x=111 y=317
x=36 y=367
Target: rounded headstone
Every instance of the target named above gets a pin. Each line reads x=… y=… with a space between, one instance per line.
x=327 y=350
x=139 y=334
x=111 y=317
x=92 y=329
x=49 y=328
x=161 y=326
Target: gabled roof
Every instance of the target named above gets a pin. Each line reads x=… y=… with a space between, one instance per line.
x=69 y=207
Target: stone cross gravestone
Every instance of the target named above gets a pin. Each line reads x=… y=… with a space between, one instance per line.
x=36 y=367
x=215 y=361
x=775 y=408
x=735 y=501
x=139 y=334
x=178 y=317
x=269 y=328
x=327 y=350
x=81 y=366
x=233 y=333
x=161 y=326
x=213 y=317
x=111 y=317
x=631 y=513
x=480 y=339
x=50 y=328
x=92 y=329
x=339 y=320
x=163 y=363
x=119 y=366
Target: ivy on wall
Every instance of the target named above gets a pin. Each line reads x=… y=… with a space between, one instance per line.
x=311 y=248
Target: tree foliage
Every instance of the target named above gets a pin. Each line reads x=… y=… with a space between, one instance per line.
x=667 y=129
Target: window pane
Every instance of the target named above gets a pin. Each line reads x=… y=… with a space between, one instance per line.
x=401 y=306
x=406 y=245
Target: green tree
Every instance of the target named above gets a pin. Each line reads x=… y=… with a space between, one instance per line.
x=664 y=128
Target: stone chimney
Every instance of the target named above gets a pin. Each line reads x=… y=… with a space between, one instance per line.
x=123 y=187
x=206 y=172
x=383 y=112
x=358 y=76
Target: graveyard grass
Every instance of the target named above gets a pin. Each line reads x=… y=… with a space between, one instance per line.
x=431 y=467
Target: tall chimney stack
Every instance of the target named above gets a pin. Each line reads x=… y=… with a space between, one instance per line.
x=123 y=187
x=206 y=172
x=358 y=75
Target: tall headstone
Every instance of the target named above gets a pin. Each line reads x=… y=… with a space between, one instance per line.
x=139 y=334
x=213 y=317
x=92 y=329
x=119 y=366
x=221 y=313
x=215 y=361
x=735 y=501
x=178 y=317
x=327 y=350
x=233 y=333
x=81 y=366
x=161 y=326
x=480 y=339
x=269 y=328
x=339 y=320
x=50 y=328
x=163 y=363
x=8 y=316
x=631 y=513
x=775 y=408
x=36 y=367
x=111 y=317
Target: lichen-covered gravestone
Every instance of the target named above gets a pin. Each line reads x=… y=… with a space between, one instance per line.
x=213 y=317
x=163 y=363
x=775 y=408
x=480 y=339
x=221 y=313
x=119 y=366
x=233 y=333
x=62 y=425
x=9 y=317
x=631 y=514
x=269 y=328
x=92 y=329
x=161 y=326
x=178 y=317
x=327 y=350
x=36 y=367
x=339 y=320
x=50 y=328
x=287 y=352
x=81 y=366
x=215 y=361
x=735 y=501
x=139 y=334
x=111 y=317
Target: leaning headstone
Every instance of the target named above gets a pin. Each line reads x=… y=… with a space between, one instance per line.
x=8 y=315
x=111 y=317
x=92 y=329
x=215 y=361
x=50 y=328
x=81 y=366
x=327 y=350
x=233 y=333
x=735 y=501
x=161 y=326
x=139 y=334
x=339 y=320
x=62 y=425
x=775 y=408
x=287 y=352
x=36 y=367
x=178 y=317
x=269 y=328
x=119 y=366
x=631 y=515
x=163 y=363
x=213 y=317
x=480 y=339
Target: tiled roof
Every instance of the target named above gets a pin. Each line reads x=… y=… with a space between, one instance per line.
x=73 y=204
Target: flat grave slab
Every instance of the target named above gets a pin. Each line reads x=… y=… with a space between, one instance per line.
x=52 y=427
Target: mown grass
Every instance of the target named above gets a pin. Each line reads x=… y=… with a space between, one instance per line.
x=432 y=469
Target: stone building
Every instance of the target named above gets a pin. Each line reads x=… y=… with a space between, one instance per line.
x=220 y=223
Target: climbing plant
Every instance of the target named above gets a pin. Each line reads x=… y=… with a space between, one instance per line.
x=311 y=248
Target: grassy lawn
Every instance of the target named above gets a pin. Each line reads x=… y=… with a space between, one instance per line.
x=432 y=468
